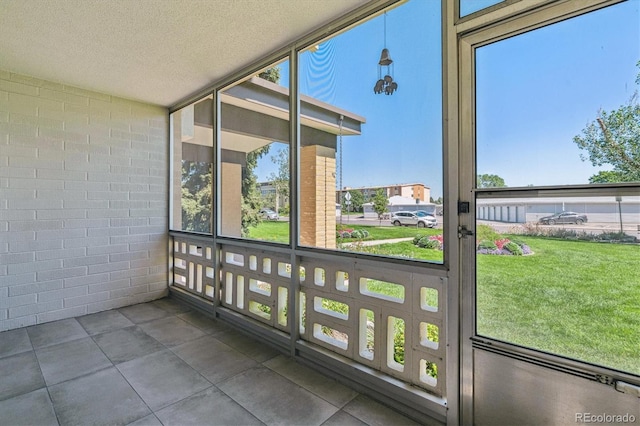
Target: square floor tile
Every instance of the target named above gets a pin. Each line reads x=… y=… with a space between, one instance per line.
x=276 y=400
x=33 y=408
x=213 y=359
x=56 y=332
x=250 y=347
x=209 y=407
x=127 y=344
x=103 y=322
x=205 y=323
x=150 y=420
x=374 y=413
x=19 y=374
x=101 y=398
x=171 y=331
x=171 y=306
x=143 y=312
x=162 y=378
x=343 y=419
x=14 y=342
x=326 y=388
x=70 y=360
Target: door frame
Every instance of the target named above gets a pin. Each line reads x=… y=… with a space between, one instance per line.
x=464 y=36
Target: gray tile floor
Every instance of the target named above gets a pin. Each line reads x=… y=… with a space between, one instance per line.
x=160 y=363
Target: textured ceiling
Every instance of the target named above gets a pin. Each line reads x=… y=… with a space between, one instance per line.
x=156 y=51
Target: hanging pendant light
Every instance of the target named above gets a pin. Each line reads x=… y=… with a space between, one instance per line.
x=385 y=84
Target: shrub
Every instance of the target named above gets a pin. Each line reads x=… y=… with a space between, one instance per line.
x=418 y=238
x=503 y=246
x=429 y=241
x=487 y=244
x=513 y=248
x=342 y=232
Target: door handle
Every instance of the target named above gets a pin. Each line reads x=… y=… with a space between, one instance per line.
x=464 y=232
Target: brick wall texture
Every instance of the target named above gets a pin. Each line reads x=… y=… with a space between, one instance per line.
x=83 y=201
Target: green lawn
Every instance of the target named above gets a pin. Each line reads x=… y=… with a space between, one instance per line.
x=390 y=232
x=404 y=249
x=279 y=232
x=573 y=298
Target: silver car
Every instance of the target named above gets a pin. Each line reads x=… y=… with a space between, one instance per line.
x=420 y=219
x=269 y=214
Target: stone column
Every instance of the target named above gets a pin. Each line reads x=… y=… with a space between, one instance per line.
x=317 y=196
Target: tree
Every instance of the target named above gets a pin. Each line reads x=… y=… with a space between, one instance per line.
x=607 y=177
x=271 y=74
x=438 y=200
x=251 y=199
x=490 y=181
x=380 y=203
x=357 y=200
x=613 y=138
x=280 y=179
x=196 y=196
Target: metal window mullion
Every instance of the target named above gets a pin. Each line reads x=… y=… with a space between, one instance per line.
x=293 y=305
x=215 y=200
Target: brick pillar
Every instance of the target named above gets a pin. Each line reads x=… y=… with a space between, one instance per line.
x=231 y=199
x=318 y=196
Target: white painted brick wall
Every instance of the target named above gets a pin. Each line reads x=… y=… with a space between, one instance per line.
x=83 y=201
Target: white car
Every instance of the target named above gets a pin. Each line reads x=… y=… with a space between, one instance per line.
x=269 y=214
x=420 y=219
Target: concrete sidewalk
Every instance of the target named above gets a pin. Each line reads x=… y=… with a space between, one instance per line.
x=375 y=242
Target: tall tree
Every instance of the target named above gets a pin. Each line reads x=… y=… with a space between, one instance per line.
x=280 y=178
x=613 y=139
x=196 y=196
x=490 y=181
x=380 y=202
x=251 y=199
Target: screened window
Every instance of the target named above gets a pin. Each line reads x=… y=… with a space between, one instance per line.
x=191 y=168
x=254 y=156
x=371 y=136
x=558 y=269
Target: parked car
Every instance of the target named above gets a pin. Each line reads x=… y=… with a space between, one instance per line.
x=564 y=217
x=269 y=214
x=420 y=219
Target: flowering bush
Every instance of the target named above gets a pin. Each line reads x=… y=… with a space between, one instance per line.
x=501 y=242
x=503 y=246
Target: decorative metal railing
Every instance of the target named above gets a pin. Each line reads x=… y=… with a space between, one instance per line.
x=386 y=316
x=193 y=266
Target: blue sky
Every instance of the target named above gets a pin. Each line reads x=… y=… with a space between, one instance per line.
x=534 y=93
